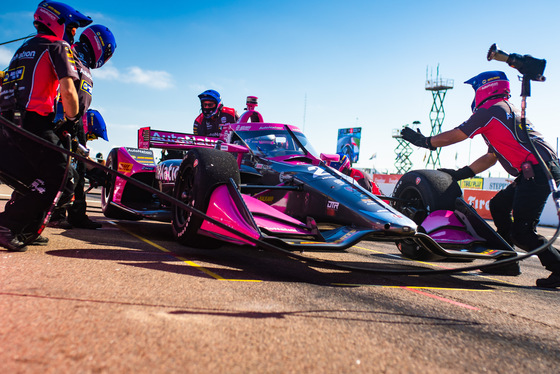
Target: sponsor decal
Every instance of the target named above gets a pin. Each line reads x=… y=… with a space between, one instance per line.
x=167 y=173
x=24 y=55
x=85 y=86
x=38 y=185
x=285 y=177
x=418 y=180
x=167 y=137
x=480 y=201
x=86 y=73
x=472 y=183
x=319 y=173
x=332 y=208
x=496 y=186
x=124 y=167
x=14 y=75
x=333 y=205
x=142 y=156
x=195 y=164
x=136 y=151
x=284 y=229
x=266 y=199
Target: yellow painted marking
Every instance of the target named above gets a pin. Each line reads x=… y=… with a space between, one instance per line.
x=188 y=262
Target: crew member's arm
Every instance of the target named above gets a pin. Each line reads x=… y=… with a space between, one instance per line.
x=433 y=142
x=483 y=163
x=447 y=138
x=69 y=97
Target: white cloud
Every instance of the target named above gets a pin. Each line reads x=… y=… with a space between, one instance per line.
x=152 y=78
x=157 y=79
x=107 y=72
x=5 y=57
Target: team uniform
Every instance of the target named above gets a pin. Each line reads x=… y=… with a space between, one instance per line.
x=212 y=126
x=84 y=88
x=508 y=142
x=30 y=88
x=499 y=123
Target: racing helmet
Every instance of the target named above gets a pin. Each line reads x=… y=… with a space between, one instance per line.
x=489 y=85
x=344 y=165
x=210 y=95
x=57 y=16
x=94 y=125
x=100 y=44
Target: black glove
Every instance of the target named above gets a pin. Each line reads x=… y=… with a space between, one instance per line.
x=96 y=177
x=457 y=175
x=69 y=126
x=416 y=138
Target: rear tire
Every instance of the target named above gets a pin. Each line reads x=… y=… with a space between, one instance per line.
x=202 y=170
x=423 y=192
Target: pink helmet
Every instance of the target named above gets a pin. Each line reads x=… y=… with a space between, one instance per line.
x=100 y=43
x=489 y=85
x=55 y=16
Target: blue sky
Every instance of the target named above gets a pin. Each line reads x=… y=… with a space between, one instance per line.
x=319 y=65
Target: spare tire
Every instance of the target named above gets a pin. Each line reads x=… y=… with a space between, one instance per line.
x=420 y=192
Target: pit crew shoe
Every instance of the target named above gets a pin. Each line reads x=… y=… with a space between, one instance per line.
x=553 y=281
x=10 y=242
x=86 y=223
x=40 y=240
x=60 y=224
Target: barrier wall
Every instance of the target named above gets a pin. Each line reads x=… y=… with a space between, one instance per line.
x=477 y=192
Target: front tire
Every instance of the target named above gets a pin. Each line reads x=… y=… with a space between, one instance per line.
x=422 y=192
x=202 y=170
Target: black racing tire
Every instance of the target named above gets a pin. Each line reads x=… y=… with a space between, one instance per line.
x=111 y=211
x=202 y=170
x=422 y=192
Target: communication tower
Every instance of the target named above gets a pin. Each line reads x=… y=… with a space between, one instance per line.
x=439 y=87
x=403 y=151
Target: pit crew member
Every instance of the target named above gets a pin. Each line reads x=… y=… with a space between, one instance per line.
x=214 y=114
x=39 y=67
x=499 y=123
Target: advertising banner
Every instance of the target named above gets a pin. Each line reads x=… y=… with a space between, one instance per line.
x=348 y=143
x=472 y=183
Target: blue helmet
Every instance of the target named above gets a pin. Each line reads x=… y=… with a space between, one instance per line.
x=210 y=95
x=343 y=165
x=94 y=125
x=489 y=85
x=100 y=44
x=57 y=17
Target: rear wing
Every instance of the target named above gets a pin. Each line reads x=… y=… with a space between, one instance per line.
x=148 y=138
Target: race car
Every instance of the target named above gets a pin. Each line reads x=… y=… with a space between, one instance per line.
x=265 y=181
